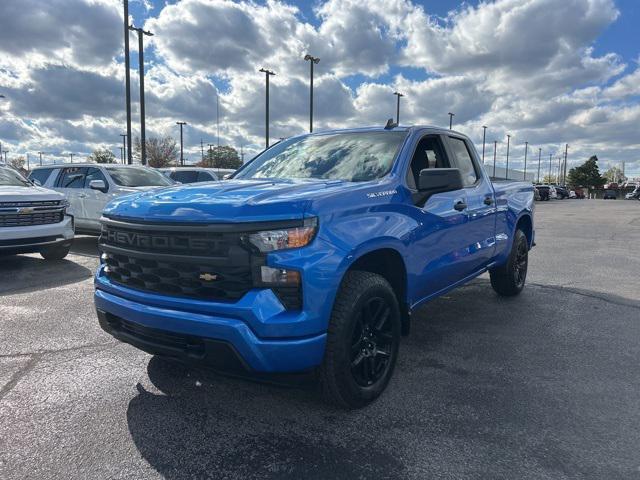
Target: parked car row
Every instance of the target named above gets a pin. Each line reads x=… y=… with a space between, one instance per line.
x=42 y=213
x=545 y=192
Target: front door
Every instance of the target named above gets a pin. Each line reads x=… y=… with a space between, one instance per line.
x=94 y=201
x=438 y=240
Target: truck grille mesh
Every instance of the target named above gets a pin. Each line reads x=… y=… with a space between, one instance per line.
x=192 y=280
x=29 y=219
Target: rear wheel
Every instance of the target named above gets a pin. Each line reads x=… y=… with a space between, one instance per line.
x=55 y=252
x=509 y=279
x=362 y=341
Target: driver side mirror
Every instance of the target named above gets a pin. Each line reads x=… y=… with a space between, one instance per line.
x=98 y=185
x=439 y=180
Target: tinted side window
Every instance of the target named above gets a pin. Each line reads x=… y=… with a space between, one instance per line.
x=206 y=177
x=185 y=176
x=41 y=175
x=72 y=177
x=94 y=174
x=463 y=161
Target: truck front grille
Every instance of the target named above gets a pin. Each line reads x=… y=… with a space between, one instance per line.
x=15 y=219
x=205 y=262
x=170 y=277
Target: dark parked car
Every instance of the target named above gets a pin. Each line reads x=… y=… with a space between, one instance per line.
x=610 y=195
x=536 y=194
x=544 y=191
x=562 y=192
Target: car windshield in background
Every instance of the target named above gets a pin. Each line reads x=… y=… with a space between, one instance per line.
x=138 y=177
x=10 y=178
x=355 y=157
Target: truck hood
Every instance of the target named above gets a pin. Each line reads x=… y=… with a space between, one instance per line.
x=26 y=194
x=226 y=201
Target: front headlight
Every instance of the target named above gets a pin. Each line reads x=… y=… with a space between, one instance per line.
x=271 y=240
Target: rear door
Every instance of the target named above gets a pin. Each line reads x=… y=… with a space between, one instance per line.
x=70 y=181
x=479 y=234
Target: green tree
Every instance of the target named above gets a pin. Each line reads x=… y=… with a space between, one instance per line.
x=161 y=152
x=222 y=157
x=586 y=175
x=614 y=174
x=102 y=155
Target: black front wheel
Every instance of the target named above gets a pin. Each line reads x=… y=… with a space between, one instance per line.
x=509 y=279
x=55 y=252
x=362 y=341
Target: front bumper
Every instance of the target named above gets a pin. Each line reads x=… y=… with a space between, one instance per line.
x=255 y=334
x=33 y=238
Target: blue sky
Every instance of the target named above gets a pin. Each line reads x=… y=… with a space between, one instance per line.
x=548 y=72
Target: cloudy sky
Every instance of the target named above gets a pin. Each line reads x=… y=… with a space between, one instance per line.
x=548 y=72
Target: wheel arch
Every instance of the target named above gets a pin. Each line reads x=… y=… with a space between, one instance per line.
x=525 y=223
x=389 y=264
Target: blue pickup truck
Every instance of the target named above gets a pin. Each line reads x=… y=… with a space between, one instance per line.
x=314 y=255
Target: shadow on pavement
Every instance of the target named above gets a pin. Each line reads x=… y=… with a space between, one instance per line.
x=26 y=273
x=522 y=387
x=203 y=425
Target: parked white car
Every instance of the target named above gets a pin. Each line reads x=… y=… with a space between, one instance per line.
x=89 y=187
x=32 y=219
x=553 y=193
x=190 y=174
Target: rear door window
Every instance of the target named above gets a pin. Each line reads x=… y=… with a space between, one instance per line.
x=72 y=177
x=463 y=160
x=205 y=177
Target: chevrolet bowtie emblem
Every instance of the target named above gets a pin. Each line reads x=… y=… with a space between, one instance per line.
x=25 y=210
x=208 y=277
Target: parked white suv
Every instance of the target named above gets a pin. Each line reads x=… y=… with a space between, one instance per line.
x=32 y=219
x=90 y=186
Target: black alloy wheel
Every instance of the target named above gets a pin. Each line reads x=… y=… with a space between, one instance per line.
x=371 y=342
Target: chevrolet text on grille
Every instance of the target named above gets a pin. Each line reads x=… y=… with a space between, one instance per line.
x=144 y=240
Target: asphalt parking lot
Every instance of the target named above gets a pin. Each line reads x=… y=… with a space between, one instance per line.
x=545 y=385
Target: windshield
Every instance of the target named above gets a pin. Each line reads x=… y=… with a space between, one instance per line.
x=11 y=178
x=354 y=157
x=138 y=177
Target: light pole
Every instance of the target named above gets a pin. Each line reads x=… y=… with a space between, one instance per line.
x=312 y=61
x=495 y=150
x=539 y=161
x=124 y=146
x=211 y=145
x=398 y=94
x=267 y=74
x=549 y=177
x=181 y=144
x=506 y=175
x=451 y=115
x=71 y=156
x=564 y=175
x=127 y=79
x=122 y=154
x=143 y=143
x=40 y=153
x=484 y=137
x=526 y=149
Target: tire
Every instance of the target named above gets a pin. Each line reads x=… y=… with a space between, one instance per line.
x=56 y=252
x=362 y=341
x=509 y=279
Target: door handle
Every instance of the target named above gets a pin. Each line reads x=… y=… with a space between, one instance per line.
x=488 y=200
x=459 y=206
